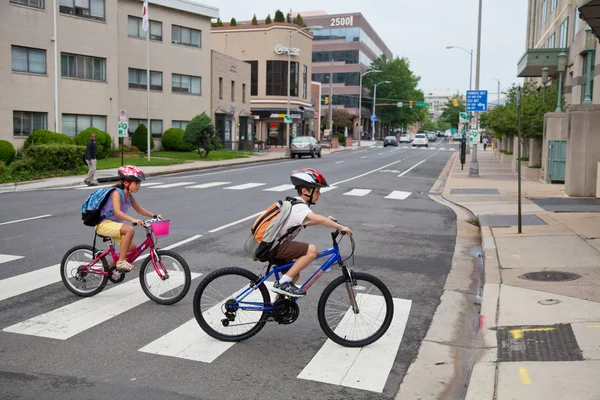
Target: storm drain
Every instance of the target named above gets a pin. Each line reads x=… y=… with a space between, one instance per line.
x=538 y=343
x=550 y=276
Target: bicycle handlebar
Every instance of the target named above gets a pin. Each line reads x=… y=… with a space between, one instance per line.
x=146 y=222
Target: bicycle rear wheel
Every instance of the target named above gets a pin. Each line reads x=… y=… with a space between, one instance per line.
x=355 y=329
x=219 y=315
x=78 y=278
x=176 y=282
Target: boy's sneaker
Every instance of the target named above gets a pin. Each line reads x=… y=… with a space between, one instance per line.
x=288 y=289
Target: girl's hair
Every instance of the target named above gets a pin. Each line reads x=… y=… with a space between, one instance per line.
x=120 y=185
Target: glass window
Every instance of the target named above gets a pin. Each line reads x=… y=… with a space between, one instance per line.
x=179 y=124
x=576 y=23
x=156 y=128
x=134 y=28
x=277 y=72
x=544 y=11
x=304 y=81
x=27 y=122
x=253 y=77
x=232 y=91
x=554 y=5
x=93 y=9
x=73 y=124
x=185 y=84
x=221 y=88
x=185 y=36
x=138 y=79
x=29 y=3
x=25 y=59
x=83 y=67
x=346 y=78
x=551 y=41
x=346 y=100
x=243 y=92
x=564 y=33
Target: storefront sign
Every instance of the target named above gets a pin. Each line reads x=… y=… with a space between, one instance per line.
x=280 y=49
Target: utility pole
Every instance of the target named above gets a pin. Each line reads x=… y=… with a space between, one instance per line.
x=331 y=101
x=474 y=167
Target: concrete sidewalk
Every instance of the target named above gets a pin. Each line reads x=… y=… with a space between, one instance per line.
x=538 y=339
x=109 y=175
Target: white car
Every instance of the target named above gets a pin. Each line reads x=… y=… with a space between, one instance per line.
x=405 y=138
x=420 y=140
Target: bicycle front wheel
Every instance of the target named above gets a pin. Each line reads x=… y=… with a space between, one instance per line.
x=359 y=327
x=220 y=315
x=80 y=278
x=174 y=280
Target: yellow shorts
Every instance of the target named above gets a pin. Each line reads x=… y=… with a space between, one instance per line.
x=111 y=229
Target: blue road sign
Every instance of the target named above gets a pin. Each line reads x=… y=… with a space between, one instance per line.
x=477 y=100
x=373 y=118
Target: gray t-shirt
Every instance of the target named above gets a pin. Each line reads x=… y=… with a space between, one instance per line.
x=295 y=220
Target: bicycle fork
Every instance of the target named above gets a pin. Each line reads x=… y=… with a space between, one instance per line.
x=349 y=287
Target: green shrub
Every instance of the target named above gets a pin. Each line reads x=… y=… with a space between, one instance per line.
x=200 y=132
x=140 y=138
x=173 y=140
x=103 y=141
x=7 y=151
x=341 y=139
x=3 y=168
x=52 y=157
x=24 y=164
x=43 y=136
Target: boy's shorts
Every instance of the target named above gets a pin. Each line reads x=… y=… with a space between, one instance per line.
x=290 y=251
x=111 y=229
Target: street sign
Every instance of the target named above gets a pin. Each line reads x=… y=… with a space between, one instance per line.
x=122 y=129
x=122 y=116
x=453 y=130
x=463 y=117
x=473 y=137
x=477 y=100
x=373 y=118
x=400 y=104
x=287 y=119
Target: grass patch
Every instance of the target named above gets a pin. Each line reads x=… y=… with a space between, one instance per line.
x=108 y=163
x=474 y=221
x=536 y=166
x=24 y=176
x=524 y=158
x=212 y=156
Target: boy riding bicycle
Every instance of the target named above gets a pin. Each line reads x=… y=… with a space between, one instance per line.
x=308 y=183
x=114 y=212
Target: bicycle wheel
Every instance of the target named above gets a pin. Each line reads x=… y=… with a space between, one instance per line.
x=217 y=291
x=375 y=310
x=82 y=281
x=177 y=277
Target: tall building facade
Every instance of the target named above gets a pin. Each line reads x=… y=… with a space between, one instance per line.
x=343 y=49
x=67 y=65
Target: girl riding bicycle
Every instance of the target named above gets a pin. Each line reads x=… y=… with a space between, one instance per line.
x=114 y=212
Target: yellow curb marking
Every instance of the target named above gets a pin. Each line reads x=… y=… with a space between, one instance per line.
x=518 y=333
x=524 y=376
x=593 y=326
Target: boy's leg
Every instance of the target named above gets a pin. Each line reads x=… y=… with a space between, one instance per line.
x=304 y=254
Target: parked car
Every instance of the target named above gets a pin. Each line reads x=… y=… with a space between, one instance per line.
x=305 y=145
x=420 y=140
x=390 y=141
x=405 y=138
x=431 y=136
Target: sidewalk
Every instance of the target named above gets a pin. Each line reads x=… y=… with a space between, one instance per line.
x=538 y=339
x=109 y=175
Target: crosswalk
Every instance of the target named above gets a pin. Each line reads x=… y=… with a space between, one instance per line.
x=422 y=148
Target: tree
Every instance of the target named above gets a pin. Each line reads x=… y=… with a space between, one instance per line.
x=200 y=132
x=451 y=112
x=254 y=20
x=428 y=125
x=443 y=125
x=299 y=21
x=218 y=23
x=233 y=22
x=279 y=17
x=341 y=118
x=268 y=20
x=140 y=139
x=288 y=18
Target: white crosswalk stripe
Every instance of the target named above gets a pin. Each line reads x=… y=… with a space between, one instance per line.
x=280 y=188
x=7 y=257
x=29 y=281
x=171 y=185
x=358 y=192
x=207 y=185
x=245 y=186
x=398 y=195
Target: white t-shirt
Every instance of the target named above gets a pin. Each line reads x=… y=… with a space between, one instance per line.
x=297 y=216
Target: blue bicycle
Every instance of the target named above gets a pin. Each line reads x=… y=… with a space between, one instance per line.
x=233 y=304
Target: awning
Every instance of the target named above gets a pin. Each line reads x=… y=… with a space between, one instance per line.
x=590 y=11
x=278 y=113
x=532 y=62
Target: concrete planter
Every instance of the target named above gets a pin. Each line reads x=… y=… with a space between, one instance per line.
x=506 y=158
x=530 y=173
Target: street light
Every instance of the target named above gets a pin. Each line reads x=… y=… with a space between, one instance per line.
x=545 y=72
x=375 y=101
x=471 y=69
x=360 y=103
x=590 y=47
x=562 y=66
x=498 y=102
x=287 y=139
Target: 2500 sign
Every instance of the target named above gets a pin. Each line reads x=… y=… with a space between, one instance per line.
x=347 y=21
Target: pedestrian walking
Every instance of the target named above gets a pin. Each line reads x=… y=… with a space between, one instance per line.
x=485 y=143
x=90 y=159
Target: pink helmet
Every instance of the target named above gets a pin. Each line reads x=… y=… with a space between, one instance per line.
x=131 y=173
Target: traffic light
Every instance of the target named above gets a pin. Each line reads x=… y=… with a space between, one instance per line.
x=431 y=104
x=455 y=102
x=410 y=104
x=326 y=99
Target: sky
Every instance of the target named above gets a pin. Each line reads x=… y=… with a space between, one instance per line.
x=420 y=30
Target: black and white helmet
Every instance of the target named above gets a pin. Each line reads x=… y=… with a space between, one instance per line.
x=308 y=177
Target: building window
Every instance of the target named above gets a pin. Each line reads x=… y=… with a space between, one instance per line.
x=179 y=124
x=584 y=76
x=25 y=59
x=304 y=81
x=83 y=67
x=551 y=41
x=73 y=124
x=27 y=122
x=221 y=88
x=185 y=84
x=576 y=23
x=232 y=91
x=137 y=79
x=345 y=78
x=93 y=9
x=29 y=3
x=554 y=5
x=544 y=11
x=185 y=36
x=348 y=101
x=156 y=128
x=243 y=92
x=253 y=77
x=277 y=72
x=134 y=28
x=564 y=33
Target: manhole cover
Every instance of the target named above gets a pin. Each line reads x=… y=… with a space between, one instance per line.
x=379 y=225
x=550 y=276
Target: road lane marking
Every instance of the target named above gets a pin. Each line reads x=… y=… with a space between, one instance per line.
x=358 y=192
x=7 y=257
x=524 y=376
x=25 y=219
x=245 y=186
x=208 y=185
x=236 y=222
x=29 y=281
x=411 y=168
x=280 y=188
x=171 y=185
x=398 y=195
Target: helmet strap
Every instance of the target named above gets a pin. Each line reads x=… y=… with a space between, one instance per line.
x=310 y=198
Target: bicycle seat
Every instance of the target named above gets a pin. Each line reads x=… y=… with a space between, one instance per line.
x=104 y=238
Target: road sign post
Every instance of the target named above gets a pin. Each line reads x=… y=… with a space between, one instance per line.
x=287 y=119
x=122 y=133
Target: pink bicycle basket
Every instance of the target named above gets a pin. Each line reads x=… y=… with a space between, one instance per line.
x=161 y=228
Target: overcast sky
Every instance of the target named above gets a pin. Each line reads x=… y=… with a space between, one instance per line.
x=421 y=30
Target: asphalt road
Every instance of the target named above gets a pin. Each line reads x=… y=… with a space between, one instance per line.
x=408 y=243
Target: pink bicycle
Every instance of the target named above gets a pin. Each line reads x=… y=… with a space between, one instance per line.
x=164 y=275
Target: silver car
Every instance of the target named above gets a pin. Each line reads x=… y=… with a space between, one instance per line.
x=420 y=140
x=305 y=145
